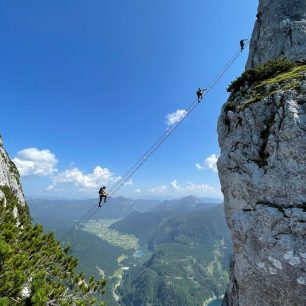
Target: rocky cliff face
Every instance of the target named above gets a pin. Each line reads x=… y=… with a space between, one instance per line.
x=262 y=166
x=262 y=169
x=280 y=30
x=9 y=177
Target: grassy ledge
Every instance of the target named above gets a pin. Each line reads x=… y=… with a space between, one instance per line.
x=263 y=81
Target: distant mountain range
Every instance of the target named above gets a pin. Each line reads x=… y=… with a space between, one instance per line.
x=74 y=209
x=183 y=247
x=119 y=207
x=185 y=204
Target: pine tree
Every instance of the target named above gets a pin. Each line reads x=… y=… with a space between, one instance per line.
x=34 y=268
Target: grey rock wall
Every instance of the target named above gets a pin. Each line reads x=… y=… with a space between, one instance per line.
x=9 y=175
x=262 y=169
x=280 y=30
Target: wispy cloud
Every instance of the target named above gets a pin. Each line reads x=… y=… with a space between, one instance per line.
x=199 y=167
x=175 y=117
x=188 y=188
x=33 y=161
x=129 y=183
x=159 y=189
x=209 y=163
x=191 y=187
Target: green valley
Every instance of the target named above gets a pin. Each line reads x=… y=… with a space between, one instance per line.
x=102 y=229
x=172 y=254
x=188 y=266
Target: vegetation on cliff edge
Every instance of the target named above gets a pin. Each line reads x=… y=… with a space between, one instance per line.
x=34 y=268
x=260 y=73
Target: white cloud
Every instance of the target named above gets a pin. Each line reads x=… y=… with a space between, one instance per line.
x=33 y=161
x=175 y=185
x=209 y=163
x=129 y=183
x=198 y=166
x=138 y=190
x=175 y=117
x=191 y=187
x=99 y=176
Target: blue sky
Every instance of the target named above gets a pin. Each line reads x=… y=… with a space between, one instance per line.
x=86 y=87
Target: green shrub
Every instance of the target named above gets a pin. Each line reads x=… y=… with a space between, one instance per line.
x=260 y=73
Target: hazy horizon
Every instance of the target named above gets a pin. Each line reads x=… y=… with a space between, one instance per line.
x=205 y=199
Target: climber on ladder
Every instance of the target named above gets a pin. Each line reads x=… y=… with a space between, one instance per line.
x=200 y=93
x=242 y=44
x=102 y=192
x=103 y=195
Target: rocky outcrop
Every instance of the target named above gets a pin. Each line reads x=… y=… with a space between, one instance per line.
x=262 y=168
x=280 y=30
x=9 y=175
x=9 y=178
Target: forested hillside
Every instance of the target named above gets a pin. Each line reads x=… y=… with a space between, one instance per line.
x=189 y=262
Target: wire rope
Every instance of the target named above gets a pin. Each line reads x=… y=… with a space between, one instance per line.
x=92 y=211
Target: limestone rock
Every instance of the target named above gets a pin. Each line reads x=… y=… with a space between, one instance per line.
x=280 y=30
x=9 y=175
x=262 y=169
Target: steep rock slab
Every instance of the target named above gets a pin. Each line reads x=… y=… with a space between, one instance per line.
x=9 y=175
x=262 y=168
x=280 y=30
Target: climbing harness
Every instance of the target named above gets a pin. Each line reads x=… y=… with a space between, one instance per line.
x=92 y=211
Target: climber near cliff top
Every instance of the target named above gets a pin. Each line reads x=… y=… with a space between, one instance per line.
x=200 y=93
x=242 y=44
x=103 y=195
x=258 y=16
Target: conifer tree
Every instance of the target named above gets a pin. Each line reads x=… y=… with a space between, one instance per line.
x=34 y=268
